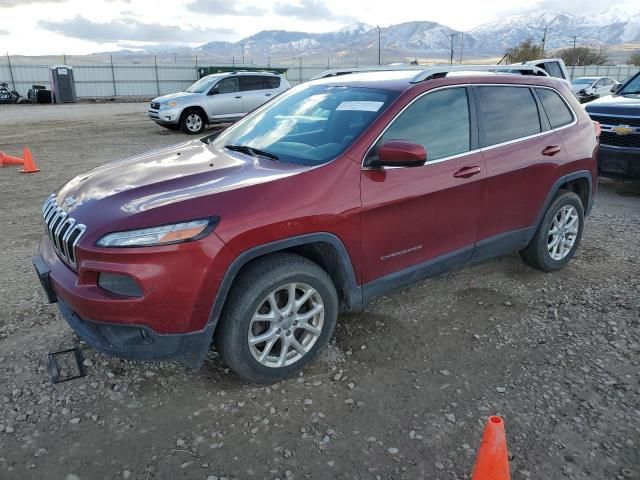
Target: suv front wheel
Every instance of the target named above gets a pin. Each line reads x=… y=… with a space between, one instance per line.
x=192 y=122
x=281 y=312
x=558 y=235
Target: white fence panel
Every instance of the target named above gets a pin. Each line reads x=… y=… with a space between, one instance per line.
x=106 y=80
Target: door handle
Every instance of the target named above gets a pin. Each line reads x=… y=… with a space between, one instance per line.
x=551 y=150
x=466 y=172
x=239 y=96
x=267 y=94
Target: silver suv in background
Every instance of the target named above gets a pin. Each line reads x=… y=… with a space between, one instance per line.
x=217 y=98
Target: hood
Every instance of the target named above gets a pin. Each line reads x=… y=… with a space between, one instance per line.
x=165 y=177
x=176 y=96
x=615 y=105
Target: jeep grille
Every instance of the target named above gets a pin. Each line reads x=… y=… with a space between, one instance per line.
x=63 y=231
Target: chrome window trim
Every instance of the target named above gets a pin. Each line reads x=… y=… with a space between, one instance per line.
x=478 y=150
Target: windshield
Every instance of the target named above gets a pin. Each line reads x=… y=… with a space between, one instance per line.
x=582 y=81
x=202 y=85
x=309 y=125
x=632 y=87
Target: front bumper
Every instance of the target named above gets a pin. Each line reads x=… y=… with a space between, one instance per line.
x=132 y=342
x=619 y=162
x=168 y=116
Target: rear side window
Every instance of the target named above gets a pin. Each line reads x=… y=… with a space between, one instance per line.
x=251 y=82
x=554 y=69
x=228 y=85
x=271 y=82
x=507 y=113
x=439 y=121
x=556 y=109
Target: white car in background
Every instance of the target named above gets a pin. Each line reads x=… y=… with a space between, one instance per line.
x=592 y=87
x=217 y=98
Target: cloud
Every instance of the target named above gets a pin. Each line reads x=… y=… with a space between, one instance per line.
x=19 y=3
x=4 y=32
x=127 y=29
x=309 y=10
x=223 y=7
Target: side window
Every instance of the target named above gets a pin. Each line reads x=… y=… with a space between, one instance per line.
x=251 y=82
x=439 y=121
x=271 y=82
x=507 y=113
x=556 y=109
x=228 y=85
x=554 y=69
x=600 y=83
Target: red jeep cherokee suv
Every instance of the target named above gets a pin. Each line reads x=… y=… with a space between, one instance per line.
x=333 y=193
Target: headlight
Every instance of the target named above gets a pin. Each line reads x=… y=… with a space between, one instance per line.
x=162 y=235
x=171 y=104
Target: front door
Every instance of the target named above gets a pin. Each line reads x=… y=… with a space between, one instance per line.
x=419 y=220
x=225 y=99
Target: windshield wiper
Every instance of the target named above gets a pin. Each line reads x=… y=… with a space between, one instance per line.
x=251 y=151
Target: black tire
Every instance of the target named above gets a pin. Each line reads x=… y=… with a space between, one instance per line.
x=537 y=253
x=192 y=121
x=249 y=293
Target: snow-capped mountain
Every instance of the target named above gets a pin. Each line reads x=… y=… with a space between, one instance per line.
x=616 y=25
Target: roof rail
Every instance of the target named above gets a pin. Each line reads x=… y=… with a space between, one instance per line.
x=439 y=72
x=431 y=73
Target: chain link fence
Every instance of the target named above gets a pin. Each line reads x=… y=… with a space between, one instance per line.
x=109 y=80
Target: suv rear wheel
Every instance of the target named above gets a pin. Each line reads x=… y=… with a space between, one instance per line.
x=558 y=235
x=280 y=313
x=192 y=122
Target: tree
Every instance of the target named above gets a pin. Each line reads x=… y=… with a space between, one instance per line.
x=634 y=59
x=582 y=56
x=526 y=51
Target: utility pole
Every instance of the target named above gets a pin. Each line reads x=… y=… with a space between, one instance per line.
x=544 y=40
x=300 y=69
x=573 y=67
x=242 y=45
x=64 y=58
x=452 y=37
x=461 y=46
x=379 y=47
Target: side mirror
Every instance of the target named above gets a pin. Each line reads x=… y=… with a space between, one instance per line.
x=214 y=91
x=400 y=153
x=615 y=88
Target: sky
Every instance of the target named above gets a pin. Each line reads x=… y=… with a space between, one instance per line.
x=36 y=27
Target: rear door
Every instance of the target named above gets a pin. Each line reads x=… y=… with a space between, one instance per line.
x=522 y=154
x=418 y=218
x=225 y=99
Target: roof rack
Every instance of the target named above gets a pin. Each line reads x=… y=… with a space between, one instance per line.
x=432 y=73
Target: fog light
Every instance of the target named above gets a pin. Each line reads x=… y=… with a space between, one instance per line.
x=119 y=284
x=167 y=118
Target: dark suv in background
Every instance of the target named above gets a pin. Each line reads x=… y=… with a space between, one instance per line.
x=330 y=195
x=619 y=118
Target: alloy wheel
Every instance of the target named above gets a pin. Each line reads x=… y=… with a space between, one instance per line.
x=563 y=232
x=286 y=325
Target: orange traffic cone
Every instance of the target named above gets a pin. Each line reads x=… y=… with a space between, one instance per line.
x=9 y=160
x=492 y=462
x=29 y=165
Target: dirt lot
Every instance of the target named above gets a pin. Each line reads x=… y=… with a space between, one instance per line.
x=402 y=392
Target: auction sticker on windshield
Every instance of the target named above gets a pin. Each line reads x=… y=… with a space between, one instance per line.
x=362 y=106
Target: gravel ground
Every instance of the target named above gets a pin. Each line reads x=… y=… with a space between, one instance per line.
x=402 y=392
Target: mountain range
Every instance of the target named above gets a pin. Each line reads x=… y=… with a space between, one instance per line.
x=613 y=26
